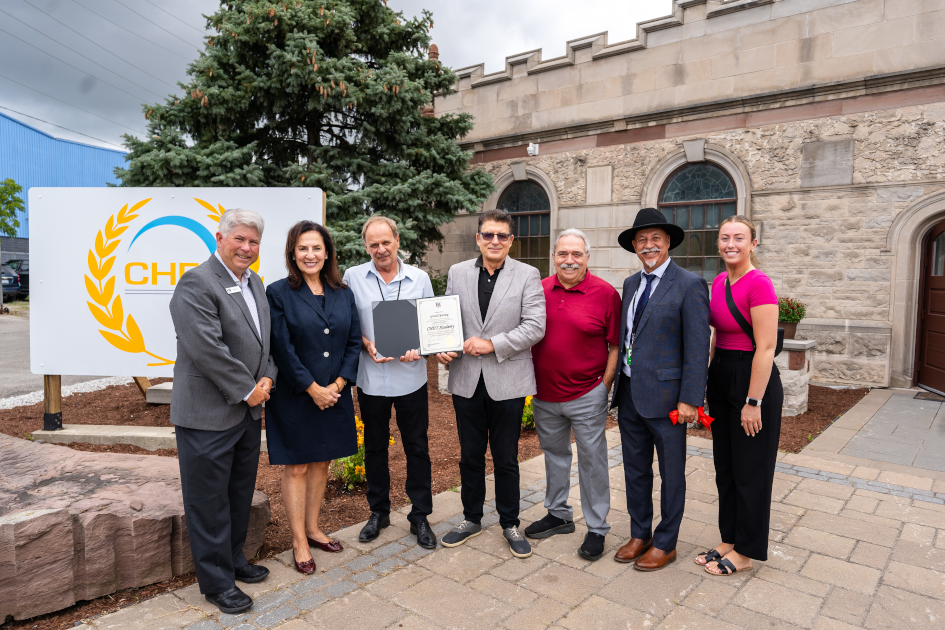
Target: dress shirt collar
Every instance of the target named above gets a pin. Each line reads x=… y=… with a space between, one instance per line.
x=246 y=274
x=580 y=286
x=404 y=271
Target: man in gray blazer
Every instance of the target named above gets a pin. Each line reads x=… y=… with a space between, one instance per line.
x=503 y=313
x=222 y=375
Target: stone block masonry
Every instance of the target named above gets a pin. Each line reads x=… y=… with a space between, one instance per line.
x=77 y=526
x=794 y=364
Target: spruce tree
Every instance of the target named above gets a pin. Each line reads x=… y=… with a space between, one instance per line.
x=318 y=93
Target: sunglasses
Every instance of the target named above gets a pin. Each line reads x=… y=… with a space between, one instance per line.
x=488 y=236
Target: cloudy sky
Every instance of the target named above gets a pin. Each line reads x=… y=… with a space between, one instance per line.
x=80 y=69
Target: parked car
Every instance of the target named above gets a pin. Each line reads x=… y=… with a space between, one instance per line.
x=22 y=267
x=11 y=282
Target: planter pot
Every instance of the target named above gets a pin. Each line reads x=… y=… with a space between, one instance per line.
x=789 y=329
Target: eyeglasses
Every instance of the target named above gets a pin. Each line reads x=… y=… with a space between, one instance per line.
x=488 y=236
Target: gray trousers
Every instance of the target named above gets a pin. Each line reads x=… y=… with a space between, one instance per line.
x=587 y=417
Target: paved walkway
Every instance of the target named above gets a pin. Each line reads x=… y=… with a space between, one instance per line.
x=854 y=544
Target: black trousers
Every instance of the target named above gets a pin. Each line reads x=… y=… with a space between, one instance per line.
x=498 y=423
x=744 y=465
x=413 y=420
x=218 y=478
x=639 y=437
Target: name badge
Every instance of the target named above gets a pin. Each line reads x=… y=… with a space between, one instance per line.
x=232 y=290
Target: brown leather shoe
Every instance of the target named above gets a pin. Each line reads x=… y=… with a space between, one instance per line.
x=655 y=559
x=633 y=550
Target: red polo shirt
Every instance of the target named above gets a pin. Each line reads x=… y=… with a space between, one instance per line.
x=581 y=321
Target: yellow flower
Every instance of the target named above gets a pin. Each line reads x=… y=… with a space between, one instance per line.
x=391 y=441
x=528 y=400
x=360 y=440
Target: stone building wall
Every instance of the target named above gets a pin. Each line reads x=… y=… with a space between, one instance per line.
x=829 y=114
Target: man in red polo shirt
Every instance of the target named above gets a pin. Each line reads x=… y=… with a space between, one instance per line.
x=575 y=365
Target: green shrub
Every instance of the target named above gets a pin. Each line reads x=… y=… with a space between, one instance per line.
x=438 y=280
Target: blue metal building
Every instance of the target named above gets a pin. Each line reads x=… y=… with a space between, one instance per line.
x=34 y=158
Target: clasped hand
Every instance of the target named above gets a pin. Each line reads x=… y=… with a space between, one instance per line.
x=260 y=392
x=322 y=396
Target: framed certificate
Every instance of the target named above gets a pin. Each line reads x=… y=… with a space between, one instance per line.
x=441 y=324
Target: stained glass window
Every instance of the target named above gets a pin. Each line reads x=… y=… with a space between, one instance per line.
x=698 y=182
x=530 y=208
x=713 y=192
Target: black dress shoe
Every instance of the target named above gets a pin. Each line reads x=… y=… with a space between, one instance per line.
x=425 y=536
x=372 y=529
x=251 y=573
x=593 y=547
x=232 y=602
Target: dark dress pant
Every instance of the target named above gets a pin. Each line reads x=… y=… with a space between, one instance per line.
x=481 y=421
x=744 y=465
x=218 y=478
x=413 y=420
x=638 y=437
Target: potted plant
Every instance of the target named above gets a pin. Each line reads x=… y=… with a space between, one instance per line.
x=790 y=311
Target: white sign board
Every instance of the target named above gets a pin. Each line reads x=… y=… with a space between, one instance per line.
x=104 y=263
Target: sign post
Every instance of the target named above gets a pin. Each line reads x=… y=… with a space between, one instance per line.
x=52 y=402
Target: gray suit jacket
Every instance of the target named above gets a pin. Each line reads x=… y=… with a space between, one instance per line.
x=514 y=323
x=220 y=356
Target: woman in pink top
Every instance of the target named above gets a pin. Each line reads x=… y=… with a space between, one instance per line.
x=745 y=398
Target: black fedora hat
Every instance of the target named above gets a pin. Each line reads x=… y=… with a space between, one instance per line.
x=651 y=218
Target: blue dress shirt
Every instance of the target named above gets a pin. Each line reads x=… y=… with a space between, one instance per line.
x=392 y=378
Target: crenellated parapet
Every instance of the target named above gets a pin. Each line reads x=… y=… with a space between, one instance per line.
x=598 y=44
x=706 y=59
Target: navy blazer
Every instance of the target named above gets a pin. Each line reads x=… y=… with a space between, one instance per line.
x=309 y=343
x=671 y=349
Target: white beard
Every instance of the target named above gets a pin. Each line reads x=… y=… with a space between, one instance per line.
x=650 y=263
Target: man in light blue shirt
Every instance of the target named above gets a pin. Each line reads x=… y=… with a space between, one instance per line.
x=385 y=382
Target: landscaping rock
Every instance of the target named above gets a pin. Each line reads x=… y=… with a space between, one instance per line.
x=76 y=525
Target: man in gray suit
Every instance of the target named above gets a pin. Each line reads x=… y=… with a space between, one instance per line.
x=503 y=313
x=222 y=375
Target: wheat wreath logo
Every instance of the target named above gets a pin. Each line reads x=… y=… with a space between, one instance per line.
x=121 y=332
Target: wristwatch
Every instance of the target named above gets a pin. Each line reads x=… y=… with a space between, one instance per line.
x=754 y=402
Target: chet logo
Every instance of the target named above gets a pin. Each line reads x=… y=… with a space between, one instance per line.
x=119 y=328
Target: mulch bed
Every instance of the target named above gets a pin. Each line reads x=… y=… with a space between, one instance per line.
x=824 y=406
x=124 y=405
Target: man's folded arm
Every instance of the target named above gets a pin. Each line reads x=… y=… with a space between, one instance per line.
x=197 y=322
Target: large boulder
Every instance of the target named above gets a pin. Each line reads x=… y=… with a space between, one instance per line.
x=77 y=525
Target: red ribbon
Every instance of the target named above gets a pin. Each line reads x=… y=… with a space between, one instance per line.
x=704 y=420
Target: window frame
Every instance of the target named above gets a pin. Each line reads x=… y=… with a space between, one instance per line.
x=660 y=205
x=542 y=261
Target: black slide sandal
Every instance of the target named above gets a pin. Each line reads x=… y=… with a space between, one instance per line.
x=710 y=556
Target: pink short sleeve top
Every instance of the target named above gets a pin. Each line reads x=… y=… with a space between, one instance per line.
x=752 y=289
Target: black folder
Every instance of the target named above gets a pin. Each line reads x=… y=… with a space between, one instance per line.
x=396 y=330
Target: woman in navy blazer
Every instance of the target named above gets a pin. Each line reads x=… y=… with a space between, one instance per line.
x=316 y=340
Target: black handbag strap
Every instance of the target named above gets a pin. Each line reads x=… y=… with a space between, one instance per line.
x=733 y=309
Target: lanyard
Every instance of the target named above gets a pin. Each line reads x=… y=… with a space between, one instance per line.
x=632 y=315
x=400 y=283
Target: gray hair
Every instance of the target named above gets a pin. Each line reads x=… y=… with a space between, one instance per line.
x=574 y=232
x=235 y=217
x=377 y=218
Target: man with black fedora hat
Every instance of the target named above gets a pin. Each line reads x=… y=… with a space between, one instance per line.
x=664 y=359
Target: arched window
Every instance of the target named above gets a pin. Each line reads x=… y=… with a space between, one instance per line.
x=697 y=197
x=528 y=204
